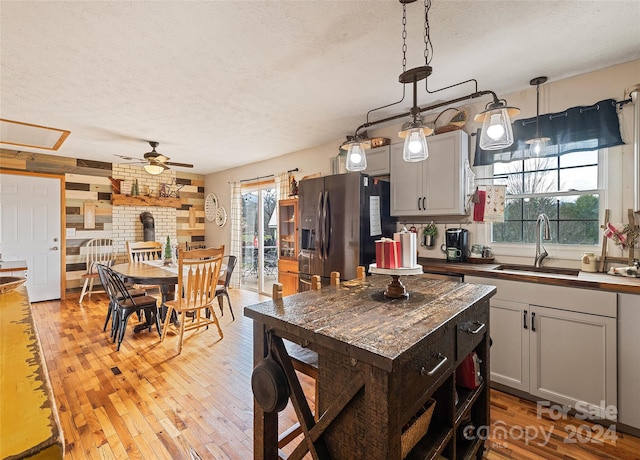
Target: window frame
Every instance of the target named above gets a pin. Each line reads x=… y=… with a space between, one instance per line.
x=556 y=250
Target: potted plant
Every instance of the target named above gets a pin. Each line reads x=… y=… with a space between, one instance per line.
x=429 y=233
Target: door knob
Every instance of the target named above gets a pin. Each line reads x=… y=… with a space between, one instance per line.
x=55 y=248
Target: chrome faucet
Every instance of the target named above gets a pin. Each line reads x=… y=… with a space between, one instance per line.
x=541 y=252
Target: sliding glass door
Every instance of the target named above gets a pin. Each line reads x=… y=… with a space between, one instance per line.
x=259 y=236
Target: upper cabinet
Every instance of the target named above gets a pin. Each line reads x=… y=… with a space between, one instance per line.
x=436 y=186
x=378 y=161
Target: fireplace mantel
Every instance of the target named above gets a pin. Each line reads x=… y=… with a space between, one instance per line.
x=127 y=200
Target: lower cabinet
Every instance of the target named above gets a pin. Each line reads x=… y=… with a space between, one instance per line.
x=288 y=276
x=556 y=353
x=629 y=371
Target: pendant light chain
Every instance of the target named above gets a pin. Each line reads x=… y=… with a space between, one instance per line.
x=404 y=37
x=428 y=46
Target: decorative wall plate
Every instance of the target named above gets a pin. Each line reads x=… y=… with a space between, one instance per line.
x=221 y=216
x=211 y=206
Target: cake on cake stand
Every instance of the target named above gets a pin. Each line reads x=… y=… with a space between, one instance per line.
x=395 y=289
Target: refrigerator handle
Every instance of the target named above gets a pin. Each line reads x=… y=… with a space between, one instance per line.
x=327 y=226
x=320 y=226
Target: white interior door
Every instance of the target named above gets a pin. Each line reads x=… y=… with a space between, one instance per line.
x=30 y=230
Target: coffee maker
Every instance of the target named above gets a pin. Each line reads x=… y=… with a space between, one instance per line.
x=457 y=242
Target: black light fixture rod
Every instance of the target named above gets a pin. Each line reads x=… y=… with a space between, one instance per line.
x=428 y=108
x=538 y=81
x=475 y=82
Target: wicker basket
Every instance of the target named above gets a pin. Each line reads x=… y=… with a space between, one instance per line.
x=418 y=427
x=8 y=283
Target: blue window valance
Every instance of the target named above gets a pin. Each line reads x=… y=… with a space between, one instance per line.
x=576 y=129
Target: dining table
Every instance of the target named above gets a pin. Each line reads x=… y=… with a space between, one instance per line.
x=154 y=273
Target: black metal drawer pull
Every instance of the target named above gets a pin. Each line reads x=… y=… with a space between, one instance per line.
x=525 y=319
x=443 y=359
x=533 y=321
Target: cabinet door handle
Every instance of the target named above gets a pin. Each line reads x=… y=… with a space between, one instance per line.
x=419 y=208
x=443 y=359
x=424 y=206
x=477 y=329
x=525 y=319
x=533 y=321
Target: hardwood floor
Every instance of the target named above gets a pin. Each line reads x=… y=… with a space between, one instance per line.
x=148 y=402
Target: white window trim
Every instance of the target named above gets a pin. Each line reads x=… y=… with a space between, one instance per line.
x=607 y=174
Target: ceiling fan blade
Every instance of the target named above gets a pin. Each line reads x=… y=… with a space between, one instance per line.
x=125 y=157
x=182 y=165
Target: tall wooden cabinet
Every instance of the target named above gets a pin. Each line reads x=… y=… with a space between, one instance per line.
x=288 y=245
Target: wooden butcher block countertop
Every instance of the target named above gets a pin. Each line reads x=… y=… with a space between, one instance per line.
x=356 y=319
x=583 y=280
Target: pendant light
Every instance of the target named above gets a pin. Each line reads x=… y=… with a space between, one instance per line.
x=496 y=131
x=537 y=144
x=414 y=132
x=356 y=157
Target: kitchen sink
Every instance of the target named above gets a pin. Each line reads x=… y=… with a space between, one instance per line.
x=531 y=268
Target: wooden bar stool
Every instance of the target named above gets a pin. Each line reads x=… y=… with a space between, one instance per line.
x=303 y=359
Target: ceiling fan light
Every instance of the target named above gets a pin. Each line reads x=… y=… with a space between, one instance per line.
x=356 y=158
x=154 y=169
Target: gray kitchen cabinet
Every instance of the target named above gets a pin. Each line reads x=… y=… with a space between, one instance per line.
x=378 y=161
x=436 y=186
x=628 y=369
x=556 y=343
x=510 y=348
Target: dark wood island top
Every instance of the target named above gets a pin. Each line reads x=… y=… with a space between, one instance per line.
x=395 y=354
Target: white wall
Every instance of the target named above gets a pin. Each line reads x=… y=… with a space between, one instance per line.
x=555 y=96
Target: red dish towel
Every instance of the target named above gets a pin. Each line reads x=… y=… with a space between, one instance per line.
x=478 y=208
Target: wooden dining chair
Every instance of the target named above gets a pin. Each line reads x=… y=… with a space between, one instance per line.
x=141 y=251
x=96 y=251
x=198 y=273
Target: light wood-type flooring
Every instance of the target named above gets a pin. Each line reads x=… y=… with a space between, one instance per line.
x=147 y=402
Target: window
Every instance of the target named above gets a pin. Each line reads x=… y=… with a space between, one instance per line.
x=566 y=188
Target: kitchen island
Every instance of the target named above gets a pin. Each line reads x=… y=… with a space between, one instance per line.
x=381 y=363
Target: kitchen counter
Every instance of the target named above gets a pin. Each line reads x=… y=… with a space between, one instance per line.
x=13 y=266
x=29 y=424
x=584 y=280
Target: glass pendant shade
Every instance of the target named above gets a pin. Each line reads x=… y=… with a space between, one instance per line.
x=415 y=145
x=154 y=169
x=496 y=131
x=356 y=158
x=537 y=146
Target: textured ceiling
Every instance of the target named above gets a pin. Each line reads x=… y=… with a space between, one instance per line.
x=225 y=83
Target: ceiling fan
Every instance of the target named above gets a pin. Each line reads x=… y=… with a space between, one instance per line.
x=156 y=162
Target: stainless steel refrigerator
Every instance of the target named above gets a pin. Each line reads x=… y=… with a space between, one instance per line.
x=341 y=216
